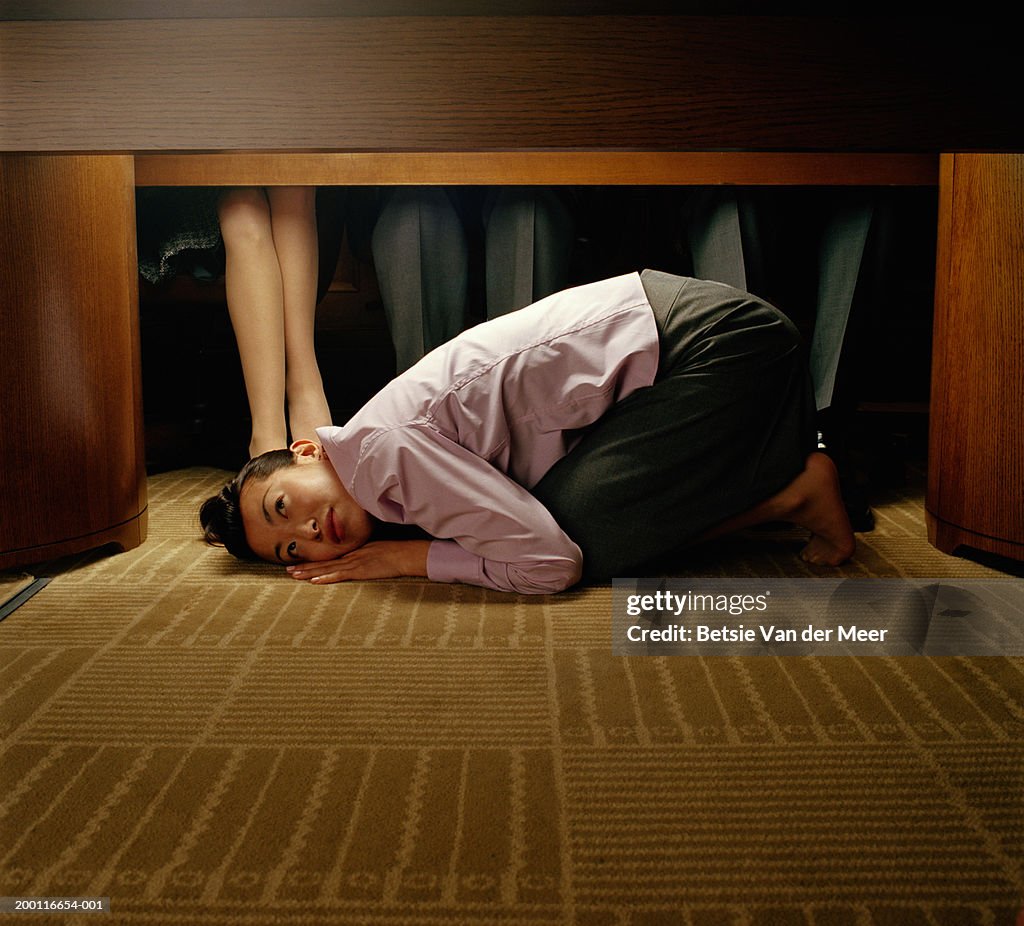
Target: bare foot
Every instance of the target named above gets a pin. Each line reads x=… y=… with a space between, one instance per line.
x=814 y=501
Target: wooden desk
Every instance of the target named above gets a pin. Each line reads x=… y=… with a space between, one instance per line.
x=92 y=107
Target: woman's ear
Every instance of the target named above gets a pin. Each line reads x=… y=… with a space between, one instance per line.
x=306 y=451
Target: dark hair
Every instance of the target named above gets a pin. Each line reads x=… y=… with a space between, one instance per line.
x=221 y=515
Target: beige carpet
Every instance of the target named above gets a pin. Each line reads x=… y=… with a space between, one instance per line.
x=208 y=743
x=13 y=582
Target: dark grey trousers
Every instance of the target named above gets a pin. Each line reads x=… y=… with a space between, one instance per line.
x=727 y=423
x=421 y=256
x=720 y=227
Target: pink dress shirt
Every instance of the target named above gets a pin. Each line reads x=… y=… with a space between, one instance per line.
x=454 y=444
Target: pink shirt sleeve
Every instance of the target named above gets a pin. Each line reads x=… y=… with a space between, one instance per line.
x=490 y=530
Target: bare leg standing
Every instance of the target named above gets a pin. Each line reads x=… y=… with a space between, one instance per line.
x=270 y=241
x=293 y=219
x=255 y=305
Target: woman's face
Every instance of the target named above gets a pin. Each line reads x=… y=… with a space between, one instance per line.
x=302 y=513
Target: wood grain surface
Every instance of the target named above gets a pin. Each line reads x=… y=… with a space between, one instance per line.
x=71 y=435
x=609 y=168
x=976 y=453
x=450 y=83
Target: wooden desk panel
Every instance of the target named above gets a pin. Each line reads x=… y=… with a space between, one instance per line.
x=976 y=452
x=575 y=168
x=71 y=441
x=451 y=83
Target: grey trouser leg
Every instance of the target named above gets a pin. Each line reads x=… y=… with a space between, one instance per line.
x=420 y=254
x=715 y=221
x=529 y=235
x=727 y=423
x=714 y=238
x=839 y=263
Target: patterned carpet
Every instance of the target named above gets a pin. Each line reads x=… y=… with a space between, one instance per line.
x=209 y=743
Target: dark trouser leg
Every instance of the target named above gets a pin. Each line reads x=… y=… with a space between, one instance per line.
x=714 y=237
x=529 y=235
x=840 y=255
x=727 y=424
x=420 y=253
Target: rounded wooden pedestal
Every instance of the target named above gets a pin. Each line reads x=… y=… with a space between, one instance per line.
x=121 y=537
x=976 y=445
x=951 y=537
x=71 y=438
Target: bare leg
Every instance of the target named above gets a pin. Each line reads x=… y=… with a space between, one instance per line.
x=812 y=501
x=254 y=293
x=293 y=219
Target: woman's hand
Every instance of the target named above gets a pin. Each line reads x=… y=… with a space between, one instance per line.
x=381 y=559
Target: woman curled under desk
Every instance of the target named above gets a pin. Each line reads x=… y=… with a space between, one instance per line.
x=580 y=437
